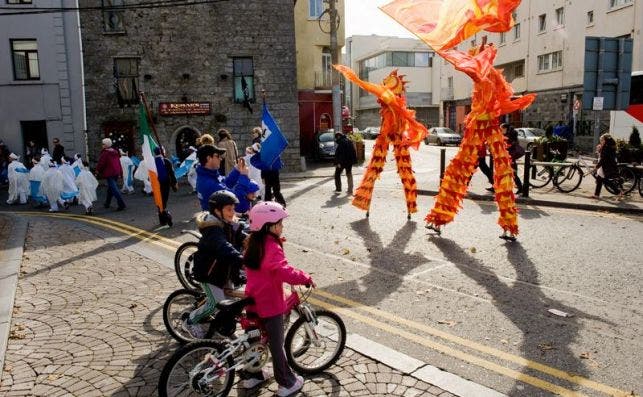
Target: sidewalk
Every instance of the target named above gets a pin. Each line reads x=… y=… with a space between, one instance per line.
x=87 y=321
x=547 y=196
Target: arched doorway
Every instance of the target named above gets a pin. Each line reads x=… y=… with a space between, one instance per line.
x=185 y=138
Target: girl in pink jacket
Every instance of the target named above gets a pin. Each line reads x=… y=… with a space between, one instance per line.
x=266 y=270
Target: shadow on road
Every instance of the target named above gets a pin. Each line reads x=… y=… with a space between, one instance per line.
x=545 y=339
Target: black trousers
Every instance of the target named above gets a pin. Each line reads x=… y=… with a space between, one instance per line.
x=486 y=170
x=273 y=186
x=339 y=168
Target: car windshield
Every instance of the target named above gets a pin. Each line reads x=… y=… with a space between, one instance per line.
x=327 y=137
x=533 y=132
x=445 y=131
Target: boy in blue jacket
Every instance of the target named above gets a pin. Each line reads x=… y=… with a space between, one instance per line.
x=208 y=179
x=246 y=191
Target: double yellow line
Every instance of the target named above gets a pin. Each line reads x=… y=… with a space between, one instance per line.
x=355 y=309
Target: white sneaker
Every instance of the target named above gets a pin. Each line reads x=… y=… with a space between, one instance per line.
x=287 y=391
x=254 y=382
x=195 y=330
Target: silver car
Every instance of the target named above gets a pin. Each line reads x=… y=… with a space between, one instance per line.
x=442 y=136
x=527 y=136
x=371 y=132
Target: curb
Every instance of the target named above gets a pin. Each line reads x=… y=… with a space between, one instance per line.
x=11 y=259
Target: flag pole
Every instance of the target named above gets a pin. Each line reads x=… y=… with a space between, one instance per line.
x=150 y=121
x=263 y=96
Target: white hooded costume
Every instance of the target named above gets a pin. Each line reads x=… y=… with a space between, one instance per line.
x=253 y=172
x=77 y=165
x=142 y=175
x=127 y=166
x=35 y=181
x=18 y=176
x=45 y=159
x=70 y=190
x=52 y=186
x=87 y=185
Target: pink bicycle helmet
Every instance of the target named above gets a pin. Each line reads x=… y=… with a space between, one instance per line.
x=266 y=212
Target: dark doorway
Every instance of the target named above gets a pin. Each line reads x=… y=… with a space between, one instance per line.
x=122 y=135
x=184 y=139
x=35 y=131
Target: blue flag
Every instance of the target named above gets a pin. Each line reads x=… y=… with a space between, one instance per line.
x=273 y=142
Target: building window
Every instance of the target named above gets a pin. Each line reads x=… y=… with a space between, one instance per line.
x=403 y=59
x=519 y=70
x=422 y=59
x=25 y=59
x=542 y=23
x=503 y=37
x=590 y=17
x=315 y=8
x=517 y=31
x=326 y=68
x=244 y=80
x=617 y=3
x=18 y=1
x=550 y=62
x=113 y=17
x=126 y=77
x=560 y=16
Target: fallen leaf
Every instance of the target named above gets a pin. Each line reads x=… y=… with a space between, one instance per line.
x=346 y=251
x=8 y=368
x=304 y=250
x=133 y=305
x=450 y=323
x=16 y=335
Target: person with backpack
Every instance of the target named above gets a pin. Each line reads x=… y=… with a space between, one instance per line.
x=345 y=158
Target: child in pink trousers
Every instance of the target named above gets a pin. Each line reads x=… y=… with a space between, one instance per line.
x=266 y=270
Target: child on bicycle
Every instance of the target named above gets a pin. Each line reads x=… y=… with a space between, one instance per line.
x=218 y=260
x=267 y=269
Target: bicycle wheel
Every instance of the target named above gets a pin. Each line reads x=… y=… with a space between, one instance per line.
x=176 y=309
x=186 y=372
x=310 y=357
x=629 y=179
x=641 y=186
x=568 y=178
x=183 y=265
x=614 y=185
x=540 y=177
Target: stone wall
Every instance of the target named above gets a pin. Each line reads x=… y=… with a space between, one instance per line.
x=186 y=55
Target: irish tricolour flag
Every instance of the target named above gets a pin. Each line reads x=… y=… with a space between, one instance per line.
x=149 y=144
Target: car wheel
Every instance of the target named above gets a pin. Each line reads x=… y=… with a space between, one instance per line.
x=426 y=141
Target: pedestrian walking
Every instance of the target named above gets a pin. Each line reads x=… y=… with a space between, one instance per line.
x=515 y=151
x=484 y=167
x=607 y=166
x=270 y=178
x=87 y=185
x=231 y=153
x=266 y=270
x=127 y=168
x=167 y=181
x=31 y=151
x=52 y=187
x=18 y=176
x=109 y=168
x=58 y=152
x=345 y=158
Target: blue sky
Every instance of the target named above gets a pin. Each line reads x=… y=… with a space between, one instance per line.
x=363 y=18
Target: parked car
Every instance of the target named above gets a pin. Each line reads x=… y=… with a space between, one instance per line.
x=442 y=136
x=527 y=136
x=325 y=145
x=371 y=132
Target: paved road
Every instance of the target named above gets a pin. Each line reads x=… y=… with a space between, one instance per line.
x=87 y=322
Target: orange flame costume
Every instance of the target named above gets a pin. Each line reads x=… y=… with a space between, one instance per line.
x=398 y=127
x=443 y=25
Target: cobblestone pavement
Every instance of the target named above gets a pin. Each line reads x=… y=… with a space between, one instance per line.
x=87 y=322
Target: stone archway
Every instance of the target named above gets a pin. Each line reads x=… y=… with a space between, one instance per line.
x=182 y=138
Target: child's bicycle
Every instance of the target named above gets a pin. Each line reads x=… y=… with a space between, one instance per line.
x=314 y=342
x=184 y=261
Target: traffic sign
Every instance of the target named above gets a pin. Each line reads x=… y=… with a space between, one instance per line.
x=598 y=103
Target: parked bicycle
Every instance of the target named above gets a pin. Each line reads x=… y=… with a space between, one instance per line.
x=314 y=342
x=568 y=178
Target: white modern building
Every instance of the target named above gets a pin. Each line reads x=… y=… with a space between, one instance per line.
x=374 y=57
x=544 y=53
x=41 y=83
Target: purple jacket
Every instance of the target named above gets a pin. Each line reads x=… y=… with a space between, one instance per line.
x=109 y=163
x=265 y=284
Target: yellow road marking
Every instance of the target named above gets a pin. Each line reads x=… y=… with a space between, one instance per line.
x=477 y=346
x=170 y=244
x=513 y=374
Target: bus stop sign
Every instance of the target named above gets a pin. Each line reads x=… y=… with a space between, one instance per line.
x=608 y=70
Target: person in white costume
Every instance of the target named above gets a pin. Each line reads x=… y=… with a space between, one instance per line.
x=45 y=158
x=253 y=172
x=70 y=190
x=18 y=176
x=87 y=185
x=35 y=178
x=127 y=166
x=77 y=165
x=52 y=186
x=142 y=175
x=191 y=162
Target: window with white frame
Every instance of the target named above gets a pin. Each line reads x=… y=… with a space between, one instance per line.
x=542 y=22
x=25 y=59
x=315 y=8
x=550 y=62
x=618 y=3
x=590 y=17
x=560 y=16
x=517 y=31
x=503 y=37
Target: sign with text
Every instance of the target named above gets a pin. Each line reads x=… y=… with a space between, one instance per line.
x=184 y=108
x=598 y=103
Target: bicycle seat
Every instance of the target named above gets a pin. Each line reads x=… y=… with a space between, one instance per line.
x=235 y=305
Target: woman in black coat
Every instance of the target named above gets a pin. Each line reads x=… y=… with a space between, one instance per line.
x=607 y=166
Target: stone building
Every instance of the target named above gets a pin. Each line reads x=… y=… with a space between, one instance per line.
x=202 y=67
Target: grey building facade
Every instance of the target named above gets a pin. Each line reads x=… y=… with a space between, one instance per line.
x=192 y=63
x=41 y=87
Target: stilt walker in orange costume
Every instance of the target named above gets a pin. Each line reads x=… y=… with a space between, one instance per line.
x=399 y=128
x=444 y=25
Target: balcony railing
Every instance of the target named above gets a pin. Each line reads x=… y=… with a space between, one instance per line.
x=323 y=80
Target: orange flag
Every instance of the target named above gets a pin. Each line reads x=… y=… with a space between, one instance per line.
x=443 y=24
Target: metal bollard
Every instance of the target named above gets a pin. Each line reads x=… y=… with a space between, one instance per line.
x=525 y=181
x=443 y=159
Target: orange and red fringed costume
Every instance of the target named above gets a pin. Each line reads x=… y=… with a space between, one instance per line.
x=399 y=128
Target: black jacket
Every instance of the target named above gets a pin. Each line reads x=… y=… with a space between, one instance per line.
x=607 y=160
x=218 y=258
x=345 y=152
